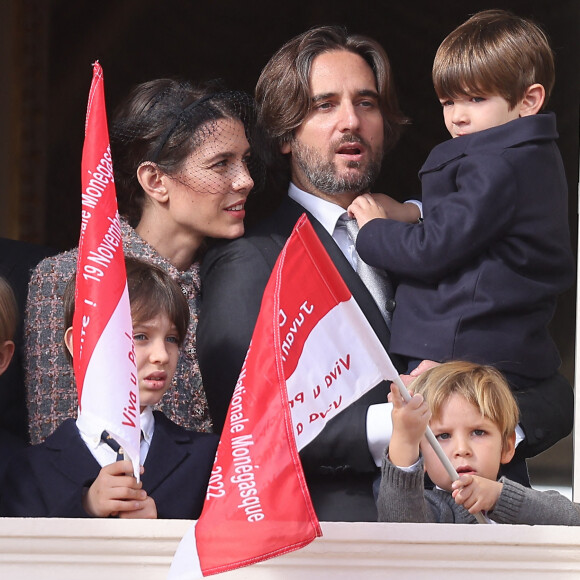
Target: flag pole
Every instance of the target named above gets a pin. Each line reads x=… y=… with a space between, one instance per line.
x=436 y=447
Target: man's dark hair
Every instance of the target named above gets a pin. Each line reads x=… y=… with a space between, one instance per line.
x=283 y=89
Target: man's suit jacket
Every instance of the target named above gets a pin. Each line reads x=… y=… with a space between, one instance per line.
x=47 y=480
x=16 y=261
x=337 y=464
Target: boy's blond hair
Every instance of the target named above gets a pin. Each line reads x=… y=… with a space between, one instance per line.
x=8 y=311
x=482 y=386
x=494 y=53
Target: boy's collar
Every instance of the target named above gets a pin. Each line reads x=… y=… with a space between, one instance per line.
x=91 y=430
x=540 y=127
x=147 y=424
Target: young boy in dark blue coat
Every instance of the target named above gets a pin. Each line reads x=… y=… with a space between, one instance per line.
x=478 y=279
x=9 y=443
x=74 y=473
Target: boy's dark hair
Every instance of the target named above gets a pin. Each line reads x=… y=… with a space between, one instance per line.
x=151 y=292
x=8 y=311
x=494 y=53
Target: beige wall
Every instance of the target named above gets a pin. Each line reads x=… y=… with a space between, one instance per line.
x=23 y=71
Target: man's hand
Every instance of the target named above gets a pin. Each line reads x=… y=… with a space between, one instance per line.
x=114 y=492
x=476 y=493
x=423 y=366
x=410 y=421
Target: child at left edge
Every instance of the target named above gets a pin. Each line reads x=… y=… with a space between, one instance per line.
x=73 y=473
x=9 y=443
x=473 y=416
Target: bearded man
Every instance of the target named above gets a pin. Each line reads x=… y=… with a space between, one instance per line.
x=327 y=104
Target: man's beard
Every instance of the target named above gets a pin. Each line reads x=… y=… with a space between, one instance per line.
x=323 y=174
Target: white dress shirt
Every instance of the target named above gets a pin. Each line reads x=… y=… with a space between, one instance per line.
x=90 y=433
x=379 y=425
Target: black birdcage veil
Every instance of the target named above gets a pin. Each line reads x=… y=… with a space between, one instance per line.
x=199 y=136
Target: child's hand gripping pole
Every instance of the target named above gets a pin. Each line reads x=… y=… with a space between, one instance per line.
x=436 y=447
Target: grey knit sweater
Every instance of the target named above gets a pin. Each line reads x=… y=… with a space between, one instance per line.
x=403 y=498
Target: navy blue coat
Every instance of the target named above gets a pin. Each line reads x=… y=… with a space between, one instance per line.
x=47 y=480
x=478 y=280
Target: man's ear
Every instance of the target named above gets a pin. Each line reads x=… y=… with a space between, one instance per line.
x=509 y=449
x=533 y=100
x=286 y=147
x=68 y=339
x=152 y=181
x=6 y=352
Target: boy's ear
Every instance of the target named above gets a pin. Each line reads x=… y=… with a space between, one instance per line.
x=6 y=352
x=533 y=100
x=152 y=181
x=68 y=339
x=509 y=449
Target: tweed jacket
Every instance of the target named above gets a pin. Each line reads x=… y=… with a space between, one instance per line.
x=50 y=385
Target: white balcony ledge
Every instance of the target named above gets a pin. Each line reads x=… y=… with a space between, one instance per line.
x=46 y=549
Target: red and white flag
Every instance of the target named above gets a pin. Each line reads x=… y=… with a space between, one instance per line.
x=312 y=354
x=104 y=353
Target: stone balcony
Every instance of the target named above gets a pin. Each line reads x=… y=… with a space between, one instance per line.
x=47 y=549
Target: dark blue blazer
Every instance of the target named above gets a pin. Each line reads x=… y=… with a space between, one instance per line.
x=10 y=445
x=478 y=280
x=17 y=259
x=47 y=480
x=338 y=465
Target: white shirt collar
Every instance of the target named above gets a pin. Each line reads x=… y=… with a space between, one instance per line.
x=91 y=430
x=326 y=212
x=147 y=424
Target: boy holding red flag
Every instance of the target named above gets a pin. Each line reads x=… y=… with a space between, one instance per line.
x=473 y=415
x=74 y=473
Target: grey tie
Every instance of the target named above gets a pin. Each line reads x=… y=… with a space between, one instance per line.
x=376 y=280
